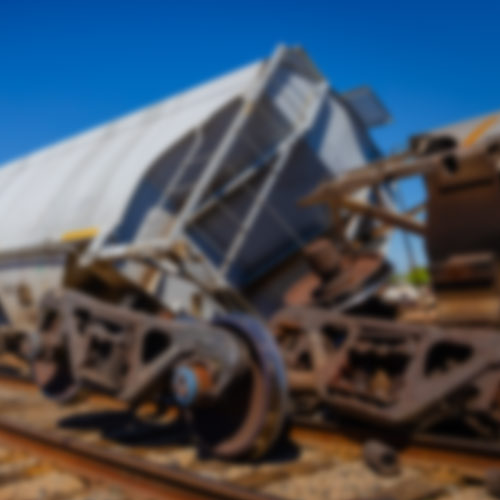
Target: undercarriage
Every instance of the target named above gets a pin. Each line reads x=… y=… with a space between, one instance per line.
x=225 y=377
x=234 y=383
x=412 y=379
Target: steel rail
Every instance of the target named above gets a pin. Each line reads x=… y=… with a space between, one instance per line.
x=134 y=474
x=423 y=451
x=143 y=477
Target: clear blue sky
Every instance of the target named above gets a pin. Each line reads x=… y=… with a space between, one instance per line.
x=68 y=65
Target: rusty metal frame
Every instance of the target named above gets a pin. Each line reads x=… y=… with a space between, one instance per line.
x=410 y=377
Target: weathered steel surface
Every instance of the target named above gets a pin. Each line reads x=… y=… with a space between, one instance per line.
x=411 y=378
x=437 y=379
x=338 y=279
x=226 y=376
x=462 y=230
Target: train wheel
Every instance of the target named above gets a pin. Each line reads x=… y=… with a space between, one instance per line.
x=247 y=420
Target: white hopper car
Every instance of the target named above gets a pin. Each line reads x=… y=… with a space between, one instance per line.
x=192 y=201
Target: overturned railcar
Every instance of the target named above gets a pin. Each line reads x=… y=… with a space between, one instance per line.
x=433 y=374
x=189 y=204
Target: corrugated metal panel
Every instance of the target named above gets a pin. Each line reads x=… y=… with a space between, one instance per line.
x=368 y=106
x=224 y=166
x=339 y=142
x=87 y=181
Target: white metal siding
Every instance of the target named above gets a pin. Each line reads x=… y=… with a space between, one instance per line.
x=87 y=181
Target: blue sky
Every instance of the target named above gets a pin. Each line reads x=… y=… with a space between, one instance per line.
x=65 y=66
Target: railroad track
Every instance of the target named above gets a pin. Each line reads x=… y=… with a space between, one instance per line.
x=135 y=476
x=90 y=451
x=421 y=452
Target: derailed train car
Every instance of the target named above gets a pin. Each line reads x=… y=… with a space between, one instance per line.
x=434 y=373
x=211 y=175
x=115 y=240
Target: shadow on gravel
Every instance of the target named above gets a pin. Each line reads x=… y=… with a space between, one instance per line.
x=125 y=428
x=285 y=451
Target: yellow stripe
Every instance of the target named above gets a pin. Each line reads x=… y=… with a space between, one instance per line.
x=80 y=234
x=480 y=130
